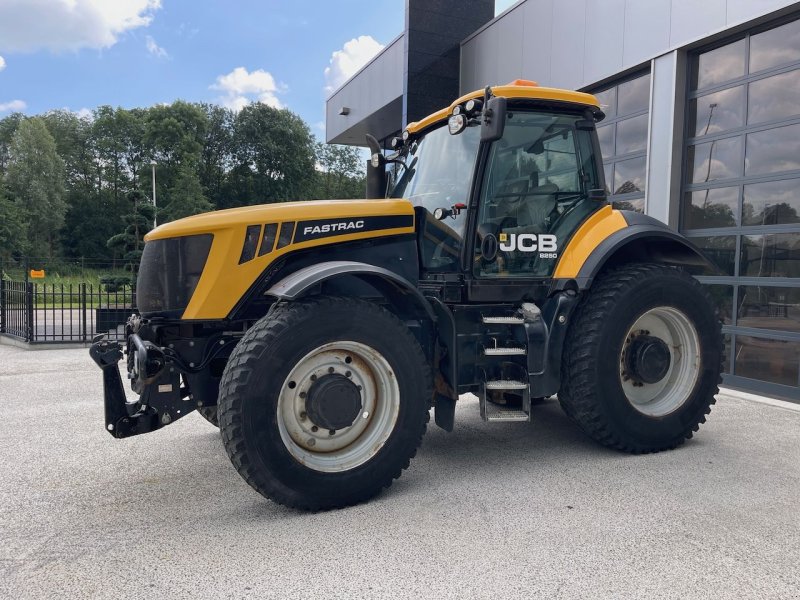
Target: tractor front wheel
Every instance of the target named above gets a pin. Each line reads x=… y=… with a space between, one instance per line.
x=641 y=364
x=324 y=402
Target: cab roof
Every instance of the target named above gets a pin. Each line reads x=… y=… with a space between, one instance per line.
x=517 y=89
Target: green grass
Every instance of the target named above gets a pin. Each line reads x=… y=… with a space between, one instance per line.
x=49 y=288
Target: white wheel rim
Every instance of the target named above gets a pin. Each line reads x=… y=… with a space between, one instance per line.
x=314 y=446
x=673 y=390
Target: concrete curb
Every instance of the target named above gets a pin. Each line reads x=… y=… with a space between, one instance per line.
x=785 y=404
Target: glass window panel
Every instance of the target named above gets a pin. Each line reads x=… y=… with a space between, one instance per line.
x=726 y=361
x=634 y=95
x=717 y=112
x=771 y=203
x=606 y=137
x=722 y=297
x=770 y=255
x=632 y=135
x=608 y=171
x=718 y=65
x=608 y=101
x=720 y=249
x=775 y=361
x=777 y=46
x=720 y=159
x=774 y=98
x=769 y=307
x=711 y=208
x=773 y=150
x=636 y=204
x=629 y=175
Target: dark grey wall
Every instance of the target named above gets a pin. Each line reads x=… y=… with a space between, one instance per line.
x=433 y=35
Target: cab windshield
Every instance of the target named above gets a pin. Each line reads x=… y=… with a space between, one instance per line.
x=439 y=175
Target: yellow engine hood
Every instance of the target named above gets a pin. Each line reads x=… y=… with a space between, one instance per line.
x=225 y=280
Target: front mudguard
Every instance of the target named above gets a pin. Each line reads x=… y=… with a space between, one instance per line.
x=161 y=400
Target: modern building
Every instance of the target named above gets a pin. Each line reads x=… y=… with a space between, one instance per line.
x=702 y=129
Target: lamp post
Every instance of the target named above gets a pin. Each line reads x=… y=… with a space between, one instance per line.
x=155 y=206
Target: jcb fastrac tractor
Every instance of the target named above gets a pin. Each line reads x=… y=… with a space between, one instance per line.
x=486 y=259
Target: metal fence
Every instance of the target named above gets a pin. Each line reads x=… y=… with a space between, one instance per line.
x=63 y=313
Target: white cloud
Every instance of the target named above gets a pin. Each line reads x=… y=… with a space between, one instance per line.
x=57 y=25
x=2 y=63
x=84 y=113
x=241 y=87
x=154 y=48
x=14 y=105
x=345 y=62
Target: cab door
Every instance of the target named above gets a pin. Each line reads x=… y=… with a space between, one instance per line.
x=534 y=194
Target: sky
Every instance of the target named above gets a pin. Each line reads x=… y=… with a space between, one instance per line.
x=80 y=54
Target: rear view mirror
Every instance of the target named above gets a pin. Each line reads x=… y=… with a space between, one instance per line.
x=494 y=119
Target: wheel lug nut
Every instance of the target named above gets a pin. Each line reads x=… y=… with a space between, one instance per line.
x=330 y=369
x=303 y=416
x=313 y=378
x=348 y=374
x=302 y=394
x=315 y=429
x=331 y=432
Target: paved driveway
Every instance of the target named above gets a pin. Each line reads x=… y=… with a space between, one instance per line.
x=488 y=511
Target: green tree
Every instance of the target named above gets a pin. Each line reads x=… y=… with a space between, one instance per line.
x=35 y=178
x=185 y=197
x=130 y=242
x=12 y=228
x=340 y=172
x=274 y=156
x=217 y=152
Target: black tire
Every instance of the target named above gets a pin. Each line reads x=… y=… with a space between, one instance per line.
x=257 y=370
x=209 y=413
x=592 y=390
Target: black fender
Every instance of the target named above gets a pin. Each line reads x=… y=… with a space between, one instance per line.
x=387 y=282
x=645 y=239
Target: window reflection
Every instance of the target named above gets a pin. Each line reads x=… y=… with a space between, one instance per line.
x=719 y=65
x=629 y=175
x=720 y=159
x=771 y=203
x=632 y=135
x=608 y=102
x=717 y=112
x=608 y=171
x=720 y=249
x=634 y=95
x=773 y=150
x=711 y=208
x=770 y=255
x=636 y=204
x=775 y=47
x=769 y=360
x=769 y=307
x=606 y=137
x=774 y=98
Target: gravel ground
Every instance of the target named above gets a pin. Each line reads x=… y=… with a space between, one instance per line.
x=488 y=511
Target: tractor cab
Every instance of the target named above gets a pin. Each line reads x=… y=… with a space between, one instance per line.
x=503 y=182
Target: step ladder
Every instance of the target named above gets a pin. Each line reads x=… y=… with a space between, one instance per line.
x=518 y=384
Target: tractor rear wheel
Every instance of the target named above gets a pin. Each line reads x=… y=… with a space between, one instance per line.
x=209 y=413
x=642 y=359
x=324 y=402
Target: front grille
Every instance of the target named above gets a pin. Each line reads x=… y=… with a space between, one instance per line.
x=169 y=272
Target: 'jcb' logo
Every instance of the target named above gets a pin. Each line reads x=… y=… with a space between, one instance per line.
x=528 y=242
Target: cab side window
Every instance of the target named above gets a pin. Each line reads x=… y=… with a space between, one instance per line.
x=534 y=178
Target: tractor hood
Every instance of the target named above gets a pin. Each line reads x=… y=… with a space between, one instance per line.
x=244 y=242
x=236 y=218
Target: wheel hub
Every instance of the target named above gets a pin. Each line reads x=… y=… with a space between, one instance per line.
x=647 y=359
x=333 y=402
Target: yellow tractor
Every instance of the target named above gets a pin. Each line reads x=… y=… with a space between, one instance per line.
x=486 y=259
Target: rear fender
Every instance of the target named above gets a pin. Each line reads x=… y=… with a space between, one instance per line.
x=644 y=239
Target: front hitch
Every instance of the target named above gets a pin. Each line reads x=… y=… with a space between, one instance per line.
x=161 y=400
